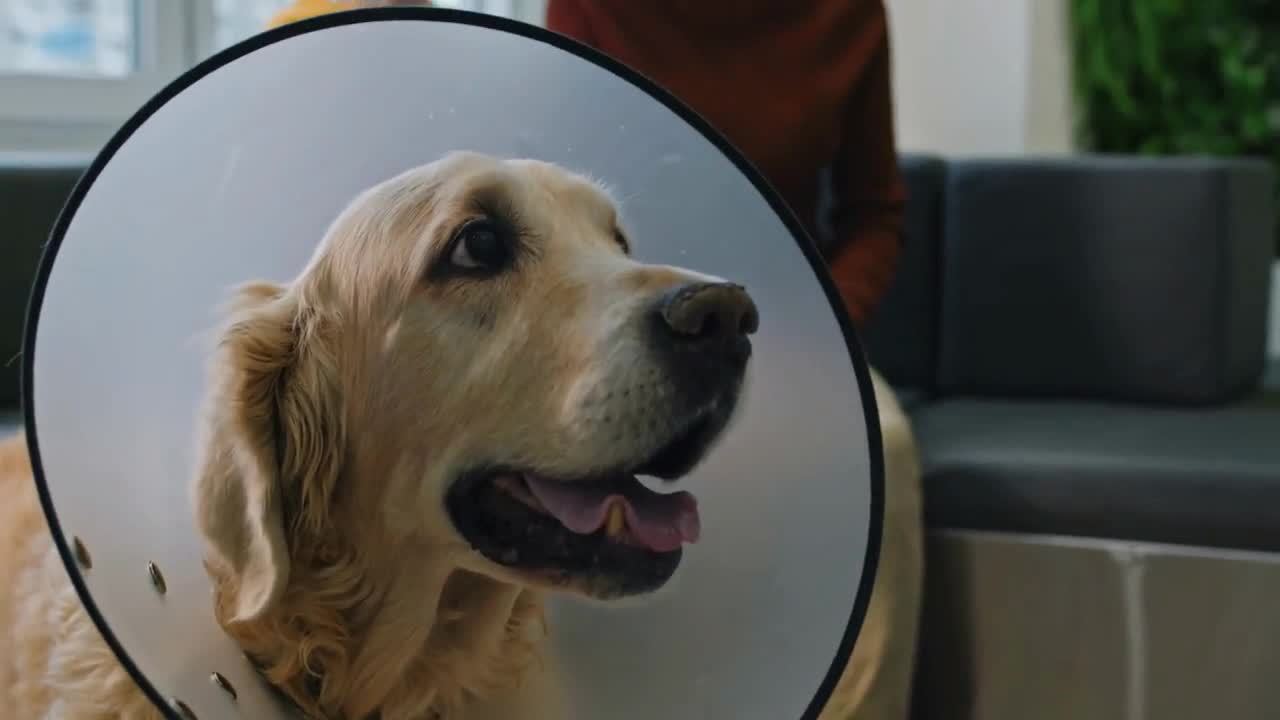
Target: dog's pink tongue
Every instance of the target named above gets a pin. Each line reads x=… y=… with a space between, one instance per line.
x=659 y=522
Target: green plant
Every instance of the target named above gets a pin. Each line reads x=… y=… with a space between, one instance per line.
x=1166 y=77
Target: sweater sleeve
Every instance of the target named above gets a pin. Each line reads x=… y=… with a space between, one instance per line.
x=567 y=17
x=868 y=209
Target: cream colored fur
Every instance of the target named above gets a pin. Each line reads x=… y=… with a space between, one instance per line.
x=341 y=407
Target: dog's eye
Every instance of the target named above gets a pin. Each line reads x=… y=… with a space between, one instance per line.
x=480 y=245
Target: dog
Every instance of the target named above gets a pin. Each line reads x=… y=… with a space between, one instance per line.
x=406 y=449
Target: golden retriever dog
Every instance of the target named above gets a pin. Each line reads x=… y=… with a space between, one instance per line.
x=437 y=423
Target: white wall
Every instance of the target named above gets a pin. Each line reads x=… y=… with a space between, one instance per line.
x=981 y=77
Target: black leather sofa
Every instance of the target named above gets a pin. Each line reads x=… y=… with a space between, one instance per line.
x=1080 y=343
x=1081 y=346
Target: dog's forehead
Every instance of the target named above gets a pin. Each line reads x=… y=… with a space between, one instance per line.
x=520 y=181
x=570 y=191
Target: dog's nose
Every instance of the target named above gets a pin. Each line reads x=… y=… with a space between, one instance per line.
x=709 y=312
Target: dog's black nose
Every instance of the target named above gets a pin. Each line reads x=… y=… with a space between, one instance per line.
x=709 y=313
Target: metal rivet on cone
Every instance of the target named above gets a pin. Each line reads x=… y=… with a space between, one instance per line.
x=181 y=708
x=82 y=553
x=224 y=685
x=157 y=579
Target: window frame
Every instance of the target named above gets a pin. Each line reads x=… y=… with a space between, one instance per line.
x=52 y=112
x=162 y=41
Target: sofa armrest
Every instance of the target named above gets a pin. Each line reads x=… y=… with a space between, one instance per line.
x=901 y=337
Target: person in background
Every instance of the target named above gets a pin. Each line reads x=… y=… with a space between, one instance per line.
x=799 y=88
x=802 y=89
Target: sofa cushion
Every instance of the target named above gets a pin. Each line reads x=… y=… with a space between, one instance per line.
x=910 y=398
x=1111 y=278
x=1208 y=477
x=33 y=189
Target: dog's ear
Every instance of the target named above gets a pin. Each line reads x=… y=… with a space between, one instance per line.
x=274 y=445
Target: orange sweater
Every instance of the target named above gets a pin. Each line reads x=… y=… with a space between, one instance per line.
x=797 y=87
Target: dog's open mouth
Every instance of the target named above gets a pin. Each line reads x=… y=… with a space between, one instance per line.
x=607 y=535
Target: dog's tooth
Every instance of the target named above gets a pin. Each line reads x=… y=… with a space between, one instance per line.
x=616 y=521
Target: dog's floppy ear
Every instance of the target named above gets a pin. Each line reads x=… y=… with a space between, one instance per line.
x=273 y=449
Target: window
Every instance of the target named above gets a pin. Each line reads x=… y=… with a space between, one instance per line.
x=72 y=71
x=82 y=38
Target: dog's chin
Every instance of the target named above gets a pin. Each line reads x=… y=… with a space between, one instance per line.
x=601 y=535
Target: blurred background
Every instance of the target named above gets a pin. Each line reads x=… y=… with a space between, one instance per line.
x=971 y=77
x=1084 y=327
